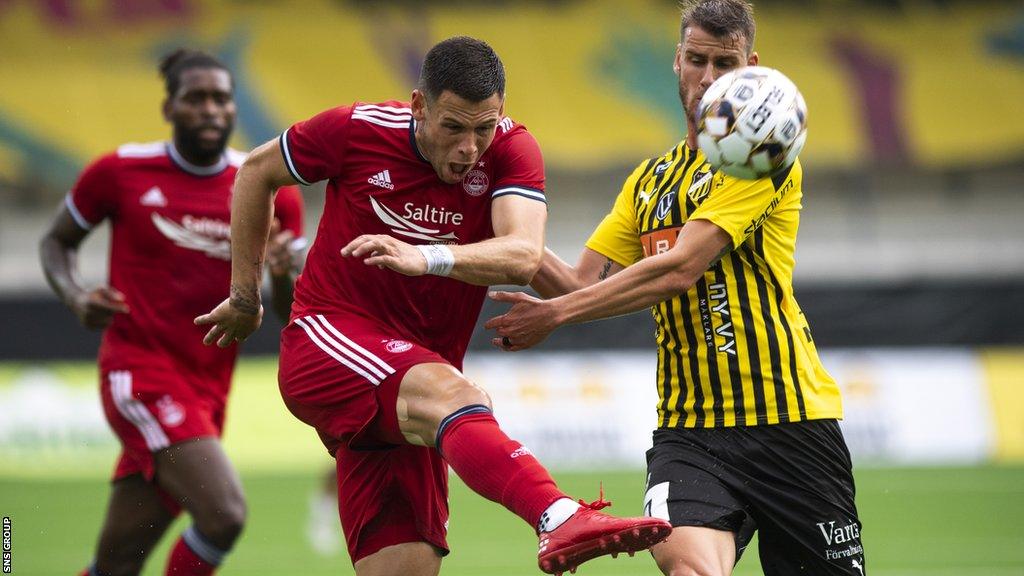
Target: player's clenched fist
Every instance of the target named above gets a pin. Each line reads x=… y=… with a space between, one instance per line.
x=96 y=308
x=232 y=320
x=386 y=252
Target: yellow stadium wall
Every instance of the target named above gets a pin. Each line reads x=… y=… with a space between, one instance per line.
x=1005 y=376
x=591 y=79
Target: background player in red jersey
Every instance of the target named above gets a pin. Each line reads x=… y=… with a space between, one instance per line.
x=163 y=393
x=428 y=202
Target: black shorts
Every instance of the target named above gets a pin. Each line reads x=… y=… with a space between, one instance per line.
x=791 y=482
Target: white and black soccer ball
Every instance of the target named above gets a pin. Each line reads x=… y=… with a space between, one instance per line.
x=752 y=123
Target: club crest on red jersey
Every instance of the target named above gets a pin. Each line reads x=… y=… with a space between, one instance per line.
x=171 y=413
x=475 y=183
x=397 y=346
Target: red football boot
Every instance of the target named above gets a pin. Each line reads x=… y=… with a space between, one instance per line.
x=588 y=534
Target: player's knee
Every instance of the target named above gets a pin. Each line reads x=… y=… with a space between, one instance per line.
x=431 y=397
x=458 y=392
x=225 y=522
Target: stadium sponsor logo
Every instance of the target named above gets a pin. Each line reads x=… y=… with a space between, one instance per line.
x=397 y=346
x=839 y=534
x=171 y=413
x=201 y=234
x=755 y=224
x=405 y=224
x=521 y=451
x=476 y=182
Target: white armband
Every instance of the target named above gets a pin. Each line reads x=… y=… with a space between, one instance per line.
x=440 y=259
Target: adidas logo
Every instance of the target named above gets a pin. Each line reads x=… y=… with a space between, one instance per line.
x=521 y=451
x=382 y=179
x=153 y=197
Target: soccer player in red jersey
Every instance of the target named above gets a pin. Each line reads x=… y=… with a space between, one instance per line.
x=428 y=202
x=164 y=393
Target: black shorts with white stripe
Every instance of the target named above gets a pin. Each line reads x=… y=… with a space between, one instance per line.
x=791 y=483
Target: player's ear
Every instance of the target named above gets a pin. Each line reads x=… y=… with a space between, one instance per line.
x=418 y=105
x=165 y=109
x=752 y=59
x=677 y=62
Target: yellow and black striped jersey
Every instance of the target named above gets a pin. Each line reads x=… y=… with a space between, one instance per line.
x=734 y=350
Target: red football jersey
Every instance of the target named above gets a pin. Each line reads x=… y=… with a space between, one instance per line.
x=379 y=183
x=169 y=254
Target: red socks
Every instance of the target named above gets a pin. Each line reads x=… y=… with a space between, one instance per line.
x=495 y=466
x=193 y=555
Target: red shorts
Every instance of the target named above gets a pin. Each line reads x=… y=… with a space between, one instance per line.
x=341 y=374
x=151 y=409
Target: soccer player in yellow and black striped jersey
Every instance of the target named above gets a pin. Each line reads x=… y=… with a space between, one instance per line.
x=748 y=436
x=734 y=349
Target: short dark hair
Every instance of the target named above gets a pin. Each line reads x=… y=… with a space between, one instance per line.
x=465 y=66
x=173 y=64
x=720 y=18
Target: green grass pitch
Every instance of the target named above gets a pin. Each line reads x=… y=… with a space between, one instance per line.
x=935 y=522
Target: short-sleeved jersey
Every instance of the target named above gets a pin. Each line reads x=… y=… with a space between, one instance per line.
x=735 y=349
x=169 y=254
x=380 y=183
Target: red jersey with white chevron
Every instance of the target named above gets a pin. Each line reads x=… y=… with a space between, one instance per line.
x=169 y=254
x=379 y=183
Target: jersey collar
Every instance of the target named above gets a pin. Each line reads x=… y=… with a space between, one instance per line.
x=193 y=169
x=412 y=141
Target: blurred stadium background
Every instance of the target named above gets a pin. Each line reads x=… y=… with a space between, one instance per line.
x=910 y=263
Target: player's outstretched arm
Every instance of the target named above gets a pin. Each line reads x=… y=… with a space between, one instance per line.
x=556 y=277
x=652 y=280
x=263 y=172
x=58 y=254
x=511 y=257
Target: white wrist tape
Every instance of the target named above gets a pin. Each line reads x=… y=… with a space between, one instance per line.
x=440 y=259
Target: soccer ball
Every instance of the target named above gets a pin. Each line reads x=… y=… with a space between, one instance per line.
x=752 y=123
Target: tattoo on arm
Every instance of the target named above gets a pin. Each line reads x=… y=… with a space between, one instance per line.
x=604 y=271
x=243 y=302
x=725 y=250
